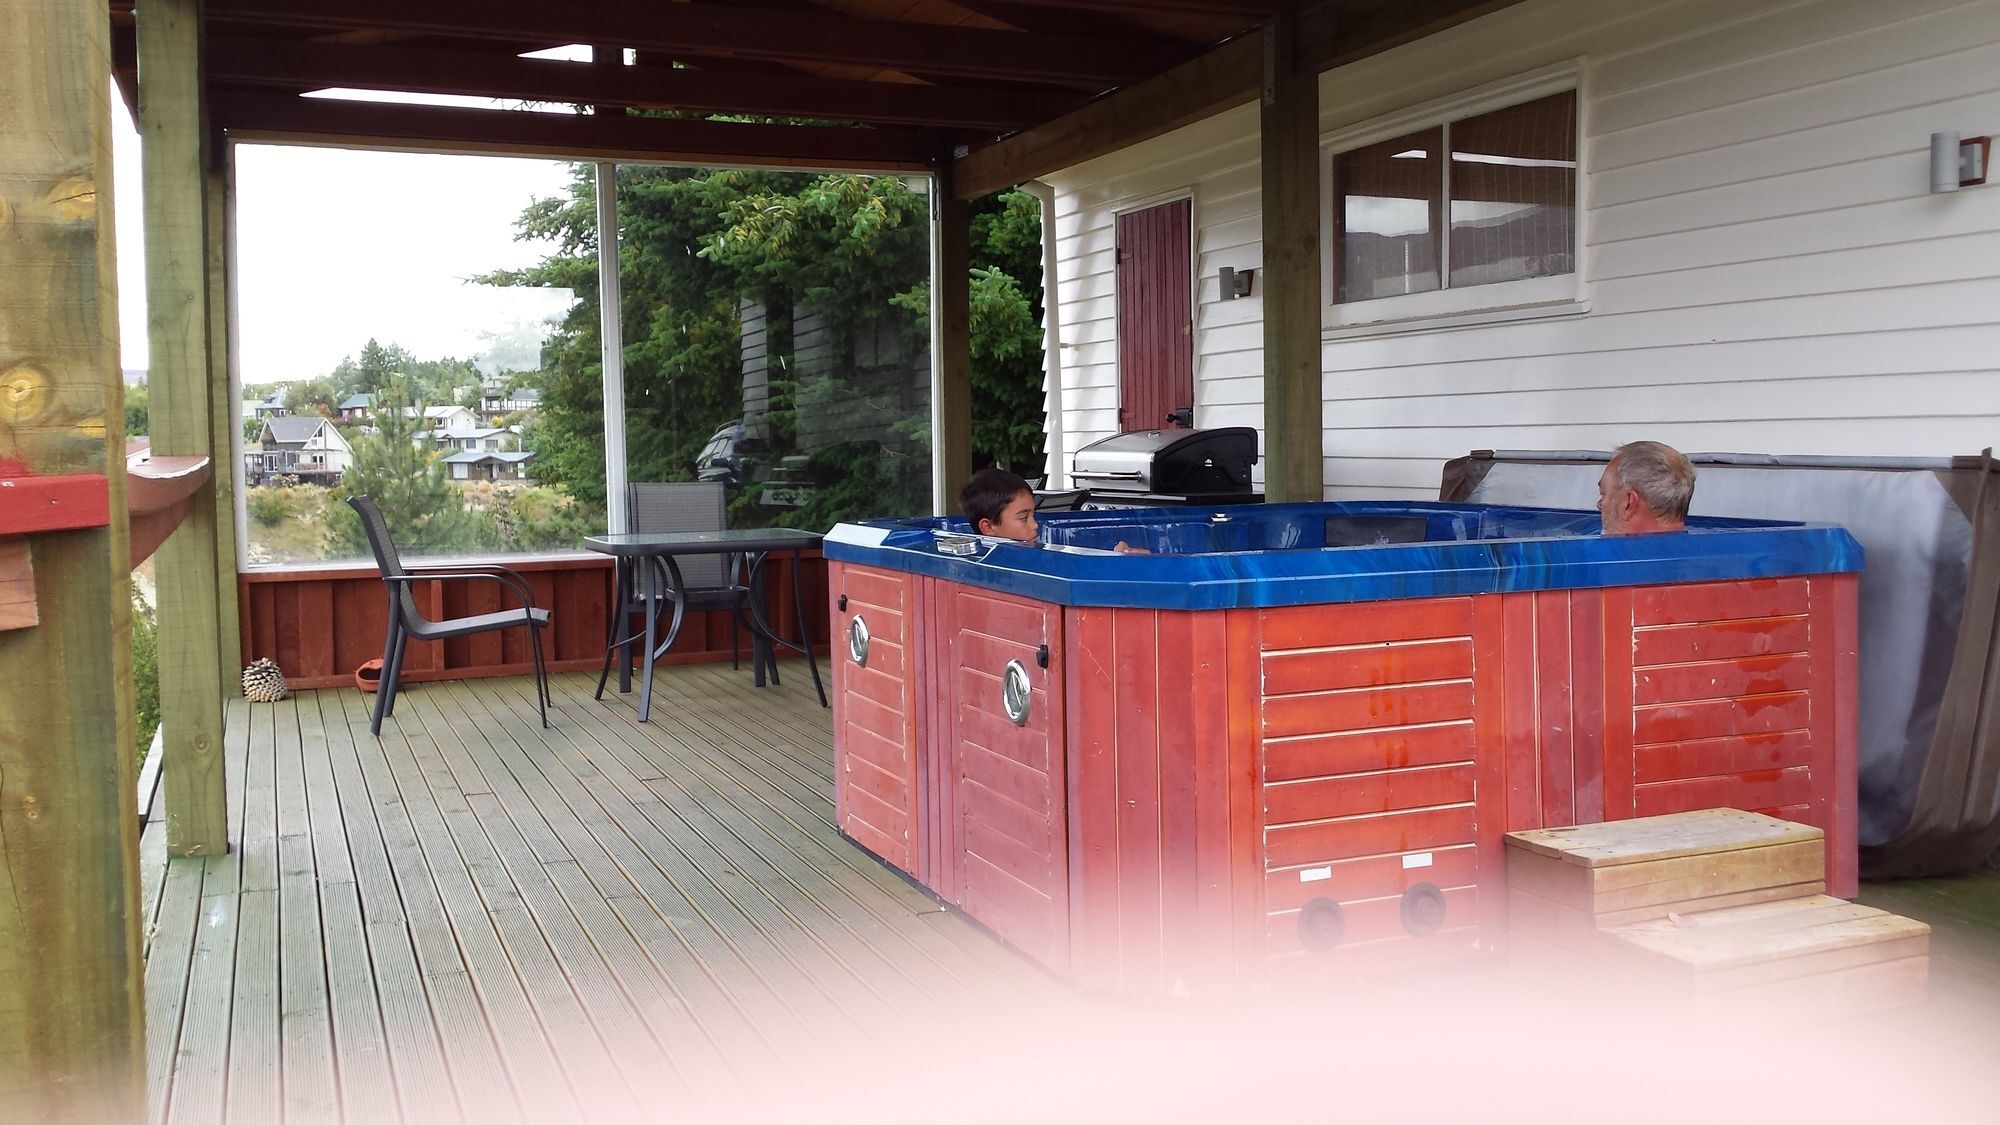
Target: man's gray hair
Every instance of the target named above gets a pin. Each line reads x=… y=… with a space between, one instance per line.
x=1661 y=476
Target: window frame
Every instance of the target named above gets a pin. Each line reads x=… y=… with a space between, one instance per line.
x=1564 y=294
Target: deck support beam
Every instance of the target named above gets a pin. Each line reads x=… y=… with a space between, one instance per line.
x=183 y=416
x=951 y=341
x=1293 y=465
x=72 y=1034
x=219 y=193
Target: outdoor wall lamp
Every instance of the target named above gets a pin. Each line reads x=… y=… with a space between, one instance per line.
x=1233 y=283
x=1958 y=163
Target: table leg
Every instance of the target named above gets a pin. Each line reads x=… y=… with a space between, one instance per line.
x=630 y=568
x=805 y=625
x=652 y=628
x=618 y=642
x=675 y=590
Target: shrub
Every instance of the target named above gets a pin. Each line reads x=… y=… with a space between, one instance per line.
x=145 y=671
x=268 y=506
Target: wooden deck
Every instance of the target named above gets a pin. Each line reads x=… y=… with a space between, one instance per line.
x=477 y=919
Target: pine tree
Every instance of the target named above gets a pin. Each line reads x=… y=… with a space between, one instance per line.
x=408 y=482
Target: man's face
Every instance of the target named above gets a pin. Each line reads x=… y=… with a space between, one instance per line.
x=1616 y=505
x=1017 y=520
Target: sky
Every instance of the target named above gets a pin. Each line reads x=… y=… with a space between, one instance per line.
x=335 y=247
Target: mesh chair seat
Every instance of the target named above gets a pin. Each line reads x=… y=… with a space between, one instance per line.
x=482 y=623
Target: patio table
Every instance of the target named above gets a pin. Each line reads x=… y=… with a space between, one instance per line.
x=634 y=551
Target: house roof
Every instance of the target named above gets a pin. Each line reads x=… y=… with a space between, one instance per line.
x=476 y=456
x=356 y=402
x=291 y=429
x=1001 y=90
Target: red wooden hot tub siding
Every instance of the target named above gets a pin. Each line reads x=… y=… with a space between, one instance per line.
x=875 y=712
x=1003 y=802
x=321 y=624
x=1372 y=746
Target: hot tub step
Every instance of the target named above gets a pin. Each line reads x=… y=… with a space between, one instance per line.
x=1706 y=909
x=1620 y=872
x=1758 y=946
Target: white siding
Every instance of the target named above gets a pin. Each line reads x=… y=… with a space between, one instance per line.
x=1764 y=267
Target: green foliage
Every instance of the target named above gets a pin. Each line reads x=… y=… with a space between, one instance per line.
x=136 y=420
x=252 y=429
x=698 y=248
x=408 y=483
x=145 y=670
x=269 y=507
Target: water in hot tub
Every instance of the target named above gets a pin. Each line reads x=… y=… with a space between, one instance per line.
x=1200 y=531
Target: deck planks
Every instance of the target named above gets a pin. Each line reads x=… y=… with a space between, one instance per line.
x=474 y=918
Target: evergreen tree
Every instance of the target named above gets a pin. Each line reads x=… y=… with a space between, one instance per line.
x=849 y=251
x=407 y=481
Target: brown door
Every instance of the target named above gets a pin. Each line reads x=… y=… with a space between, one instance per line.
x=1155 y=318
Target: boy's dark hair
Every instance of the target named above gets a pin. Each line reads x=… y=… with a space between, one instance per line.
x=988 y=493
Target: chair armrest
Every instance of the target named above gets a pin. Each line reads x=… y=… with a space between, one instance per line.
x=509 y=578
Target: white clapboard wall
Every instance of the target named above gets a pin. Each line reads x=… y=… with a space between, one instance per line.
x=1764 y=268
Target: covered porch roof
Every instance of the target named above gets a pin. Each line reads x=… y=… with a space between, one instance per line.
x=998 y=90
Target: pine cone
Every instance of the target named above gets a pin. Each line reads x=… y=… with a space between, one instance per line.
x=263 y=682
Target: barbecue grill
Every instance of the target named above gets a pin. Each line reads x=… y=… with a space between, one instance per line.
x=1159 y=468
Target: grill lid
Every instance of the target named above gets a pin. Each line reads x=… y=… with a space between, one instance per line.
x=1215 y=460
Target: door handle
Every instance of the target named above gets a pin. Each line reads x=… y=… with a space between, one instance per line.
x=1182 y=417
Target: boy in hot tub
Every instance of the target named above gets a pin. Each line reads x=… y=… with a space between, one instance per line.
x=998 y=502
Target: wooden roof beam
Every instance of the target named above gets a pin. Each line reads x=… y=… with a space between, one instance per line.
x=304 y=64
x=1250 y=9
x=1222 y=79
x=281 y=119
x=689 y=30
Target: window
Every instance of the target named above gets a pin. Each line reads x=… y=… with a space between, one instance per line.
x=1468 y=210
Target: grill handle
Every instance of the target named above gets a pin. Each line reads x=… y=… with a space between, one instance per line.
x=1108 y=476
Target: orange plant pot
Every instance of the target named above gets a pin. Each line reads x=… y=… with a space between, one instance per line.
x=368 y=677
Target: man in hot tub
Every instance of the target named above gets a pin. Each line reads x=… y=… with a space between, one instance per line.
x=1645 y=488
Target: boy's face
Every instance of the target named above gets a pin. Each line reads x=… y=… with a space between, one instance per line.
x=1017 y=520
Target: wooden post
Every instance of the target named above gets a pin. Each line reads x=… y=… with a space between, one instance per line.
x=1293 y=466
x=219 y=191
x=951 y=342
x=72 y=1009
x=183 y=421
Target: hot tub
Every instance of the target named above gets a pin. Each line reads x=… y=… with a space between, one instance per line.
x=1287 y=743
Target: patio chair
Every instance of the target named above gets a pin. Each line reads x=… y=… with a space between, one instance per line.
x=406 y=620
x=711 y=582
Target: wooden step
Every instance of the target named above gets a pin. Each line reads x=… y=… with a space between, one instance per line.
x=1620 y=872
x=1751 y=945
x=1707 y=910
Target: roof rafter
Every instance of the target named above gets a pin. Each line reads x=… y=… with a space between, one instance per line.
x=305 y=64
x=282 y=119
x=697 y=30
x=1329 y=36
x=1254 y=9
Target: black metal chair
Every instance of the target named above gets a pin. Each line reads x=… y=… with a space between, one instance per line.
x=406 y=620
x=709 y=582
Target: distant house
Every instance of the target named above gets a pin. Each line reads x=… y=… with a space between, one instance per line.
x=356 y=407
x=439 y=420
x=481 y=464
x=308 y=447
x=270 y=406
x=491 y=438
x=496 y=401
